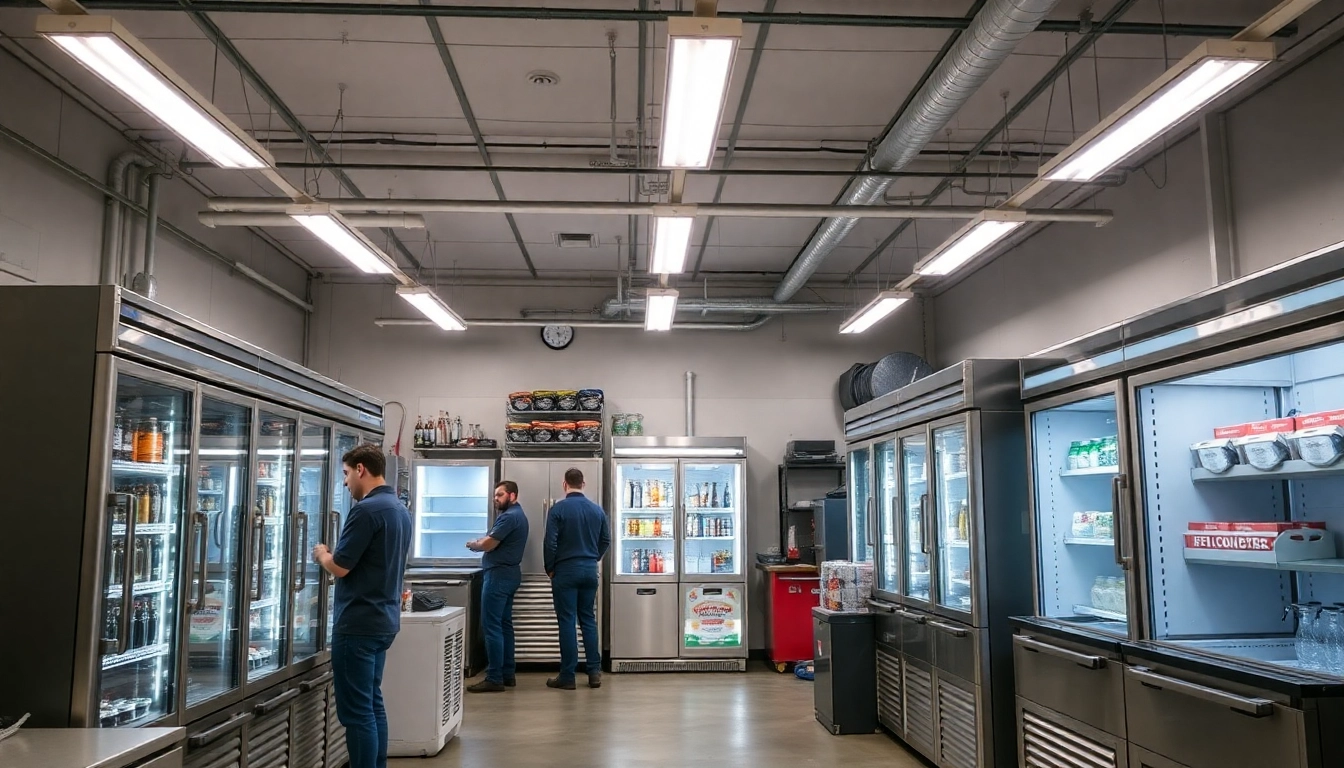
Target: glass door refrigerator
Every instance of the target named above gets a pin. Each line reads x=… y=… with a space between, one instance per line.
x=165 y=495
x=947 y=454
x=861 y=501
x=452 y=502
x=678 y=599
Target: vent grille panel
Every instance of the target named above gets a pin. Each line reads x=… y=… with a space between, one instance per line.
x=957 y=737
x=1049 y=745
x=918 y=705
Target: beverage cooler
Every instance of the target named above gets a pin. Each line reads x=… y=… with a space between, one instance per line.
x=678 y=585
x=452 y=502
x=938 y=466
x=178 y=479
x=1185 y=469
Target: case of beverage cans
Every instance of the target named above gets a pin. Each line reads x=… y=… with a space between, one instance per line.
x=846 y=586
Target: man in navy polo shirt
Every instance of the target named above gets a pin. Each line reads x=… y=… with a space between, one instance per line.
x=502 y=562
x=368 y=565
x=577 y=537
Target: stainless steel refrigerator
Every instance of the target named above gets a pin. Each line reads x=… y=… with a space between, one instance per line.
x=155 y=557
x=937 y=490
x=678 y=576
x=1154 y=641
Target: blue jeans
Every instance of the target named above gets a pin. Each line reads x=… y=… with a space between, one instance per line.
x=357 y=666
x=574 y=591
x=497 y=591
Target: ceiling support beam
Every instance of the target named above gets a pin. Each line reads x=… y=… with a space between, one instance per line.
x=447 y=58
x=582 y=170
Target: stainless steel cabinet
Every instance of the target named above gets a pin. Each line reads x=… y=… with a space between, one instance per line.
x=648 y=629
x=292 y=725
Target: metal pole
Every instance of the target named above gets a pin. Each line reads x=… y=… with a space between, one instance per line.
x=690 y=403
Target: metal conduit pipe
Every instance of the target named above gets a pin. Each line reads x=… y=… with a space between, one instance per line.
x=384 y=322
x=244 y=219
x=992 y=36
x=109 y=262
x=760 y=305
x=690 y=403
x=145 y=283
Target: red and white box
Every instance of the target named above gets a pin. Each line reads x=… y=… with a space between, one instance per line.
x=1231 y=540
x=1256 y=527
x=1209 y=527
x=1228 y=432
x=1271 y=427
x=1322 y=419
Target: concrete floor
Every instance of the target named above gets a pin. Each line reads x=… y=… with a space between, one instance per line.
x=758 y=719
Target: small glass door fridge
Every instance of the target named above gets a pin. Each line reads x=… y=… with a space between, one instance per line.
x=452 y=502
x=887 y=576
x=644 y=542
x=860 y=478
x=269 y=548
x=954 y=519
x=918 y=574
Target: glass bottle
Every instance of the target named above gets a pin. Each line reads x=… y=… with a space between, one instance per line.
x=1304 y=639
x=1331 y=633
x=714 y=496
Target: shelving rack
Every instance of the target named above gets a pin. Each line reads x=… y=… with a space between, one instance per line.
x=786 y=511
x=555 y=447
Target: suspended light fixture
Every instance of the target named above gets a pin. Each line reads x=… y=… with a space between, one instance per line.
x=432 y=306
x=105 y=48
x=883 y=304
x=660 y=306
x=700 y=54
x=1211 y=70
x=671 y=240
x=984 y=230
x=336 y=232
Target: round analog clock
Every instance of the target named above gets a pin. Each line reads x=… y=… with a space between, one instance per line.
x=557 y=336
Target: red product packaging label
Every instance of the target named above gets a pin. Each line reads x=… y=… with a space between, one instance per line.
x=1322 y=419
x=1235 y=430
x=1271 y=427
x=1258 y=542
x=1209 y=527
x=1274 y=527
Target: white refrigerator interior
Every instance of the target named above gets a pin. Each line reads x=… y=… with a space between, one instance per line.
x=452 y=503
x=422 y=682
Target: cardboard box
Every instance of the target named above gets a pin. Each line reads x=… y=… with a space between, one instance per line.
x=1235 y=430
x=1322 y=419
x=1229 y=540
x=1273 y=426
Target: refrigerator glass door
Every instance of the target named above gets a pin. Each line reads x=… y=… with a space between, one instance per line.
x=713 y=523
x=271 y=566
x=888 y=528
x=1241 y=534
x=915 y=503
x=646 y=518
x=313 y=468
x=954 y=524
x=1076 y=458
x=149 y=482
x=860 y=504
x=340 y=507
x=451 y=504
x=222 y=483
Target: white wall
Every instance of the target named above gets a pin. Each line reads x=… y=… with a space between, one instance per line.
x=771 y=385
x=51 y=224
x=1286 y=175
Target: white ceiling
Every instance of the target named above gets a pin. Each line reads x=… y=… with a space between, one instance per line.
x=821 y=94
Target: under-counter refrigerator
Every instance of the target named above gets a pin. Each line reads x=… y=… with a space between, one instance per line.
x=1187 y=532
x=678 y=580
x=938 y=467
x=155 y=565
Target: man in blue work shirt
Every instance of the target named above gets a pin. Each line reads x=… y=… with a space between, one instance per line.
x=368 y=564
x=503 y=548
x=577 y=537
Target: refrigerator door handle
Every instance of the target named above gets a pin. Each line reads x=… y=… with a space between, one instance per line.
x=1254 y=707
x=270 y=705
x=882 y=607
x=950 y=629
x=1118 y=527
x=258 y=536
x=228 y=726
x=300 y=559
x=202 y=560
x=308 y=685
x=1084 y=660
x=872 y=520
x=918 y=618
x=924 y=523
x=334 y=518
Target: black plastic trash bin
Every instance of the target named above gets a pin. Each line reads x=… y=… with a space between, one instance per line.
x=845 y=685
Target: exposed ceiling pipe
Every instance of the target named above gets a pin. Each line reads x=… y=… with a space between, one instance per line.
x=737 y=210
x=690 y=403
x=109 y=263
x=145 y=283
x=758 y=305
x=245 y=219
x=992 y=36
x=385 y=322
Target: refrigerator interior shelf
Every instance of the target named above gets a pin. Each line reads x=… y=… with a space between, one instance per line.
x=1288 y=554
x=711 y=538
x=1090 y=542
x=711 y=511
x=203 y=492
x=140 y=588
x=955 y=476
x=273 y=482
x=1090 y=472
x=958 y=543
x=272 y=520
x=646 y=538
x=144 y=529
x=1291 y=470
x=651 y=511
x=450 y=514
x=266 y=602
x=142 y=468
x=451 y=530
x=960 y=582
x=1087 y=610
x=139 y=654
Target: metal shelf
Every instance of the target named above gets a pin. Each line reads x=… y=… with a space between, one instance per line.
x=656 y=511
x=646 y=538
x=143 y=468
x=1087 y=610
x=203 y=492
x=710 y=538
x=1090 y=472
x=1291 y=470
x=1090 y=542
x=958 y=544
x=269 y=602
x=141 y=588
x=143 y=529
x=955 y=476
x=139 y=654
x=554 y=445
x=531 y=416
x=272 y=482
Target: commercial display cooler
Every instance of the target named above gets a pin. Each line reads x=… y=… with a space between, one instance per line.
x=178 y=478
x=944 y=489
x=678 y=591
x=1186 y=470
x=452 y=502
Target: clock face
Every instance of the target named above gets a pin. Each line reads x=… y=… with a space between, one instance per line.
x=557 y=336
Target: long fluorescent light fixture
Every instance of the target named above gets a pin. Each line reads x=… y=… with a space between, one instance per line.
x=882 y=305
x=700 y=54
x=671 y=241
x=431 y=306
x=335 y=231
x=1209 y=71
x=984 y=230
x=113 y=54
x=660 y=306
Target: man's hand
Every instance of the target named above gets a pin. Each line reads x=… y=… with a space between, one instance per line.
x=318 y=552
x=322 y=556
x=474 y=545
x=550 y=575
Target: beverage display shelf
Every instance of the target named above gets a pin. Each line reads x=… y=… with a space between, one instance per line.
x=144 y=468
x=138 y=654
x=266 y=602
x=959 y=543
x=656 y=511
x=142 y=588
x=710 y=538
x=273 y=520
x=646 y=538
x=272 y=563
x=1090 y=472
x=711 y=511
x=204 y=492
x=959 y=582
x=271 y=482
x=1089 y=542
x=143 y=529
x=1295 y=469
x=955 y=476
x=1100 y=613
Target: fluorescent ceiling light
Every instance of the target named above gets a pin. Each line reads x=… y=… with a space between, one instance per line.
x=983 y=231
x=109 y=51
x=1209 y=71
x=333 y=230
x=671 y=242
x=660 y=306
x=882 y=305
x=431 y=306
x=700 y=54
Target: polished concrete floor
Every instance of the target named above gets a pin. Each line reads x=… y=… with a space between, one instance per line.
x=759 y=718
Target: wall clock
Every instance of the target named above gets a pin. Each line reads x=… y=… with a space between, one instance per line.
x=557 y=336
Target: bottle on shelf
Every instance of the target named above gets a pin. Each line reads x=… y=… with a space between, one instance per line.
x=704 y=495
x=144 y=505
x=727 y=526
x=456 y=431
x=727 y=498
x=714 y=496
x=419 y=432
x=118 y=421
x=658 y=527
x=963 y=523
x=118 y=561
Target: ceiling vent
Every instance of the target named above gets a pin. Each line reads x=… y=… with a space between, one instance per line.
x=575 y=240
x=542 y=78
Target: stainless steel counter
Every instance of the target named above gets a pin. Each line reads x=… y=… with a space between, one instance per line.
x=88 y=747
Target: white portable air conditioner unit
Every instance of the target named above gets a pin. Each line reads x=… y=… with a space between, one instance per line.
x=422 y=682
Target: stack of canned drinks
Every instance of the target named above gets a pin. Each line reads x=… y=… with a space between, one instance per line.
x=846 y=586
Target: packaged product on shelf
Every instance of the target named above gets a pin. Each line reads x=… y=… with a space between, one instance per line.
x=1084 y=525
x=590 y=399
x=1266 y=451
x=519 y=433
x=1320 y=446
x=565 y=431
x=1275 y=527
x=1104 y=525
x=1321 y=419
x=1231 y=540
x=589 y=431
x=1217 y=456
x=543 y=400
x=520 y=401
x=542 y=432
x=567 y=400
x=1231 y=431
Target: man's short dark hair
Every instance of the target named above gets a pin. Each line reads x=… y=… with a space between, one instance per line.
x=509 y=486
x=368 y=454
x=573 y=477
